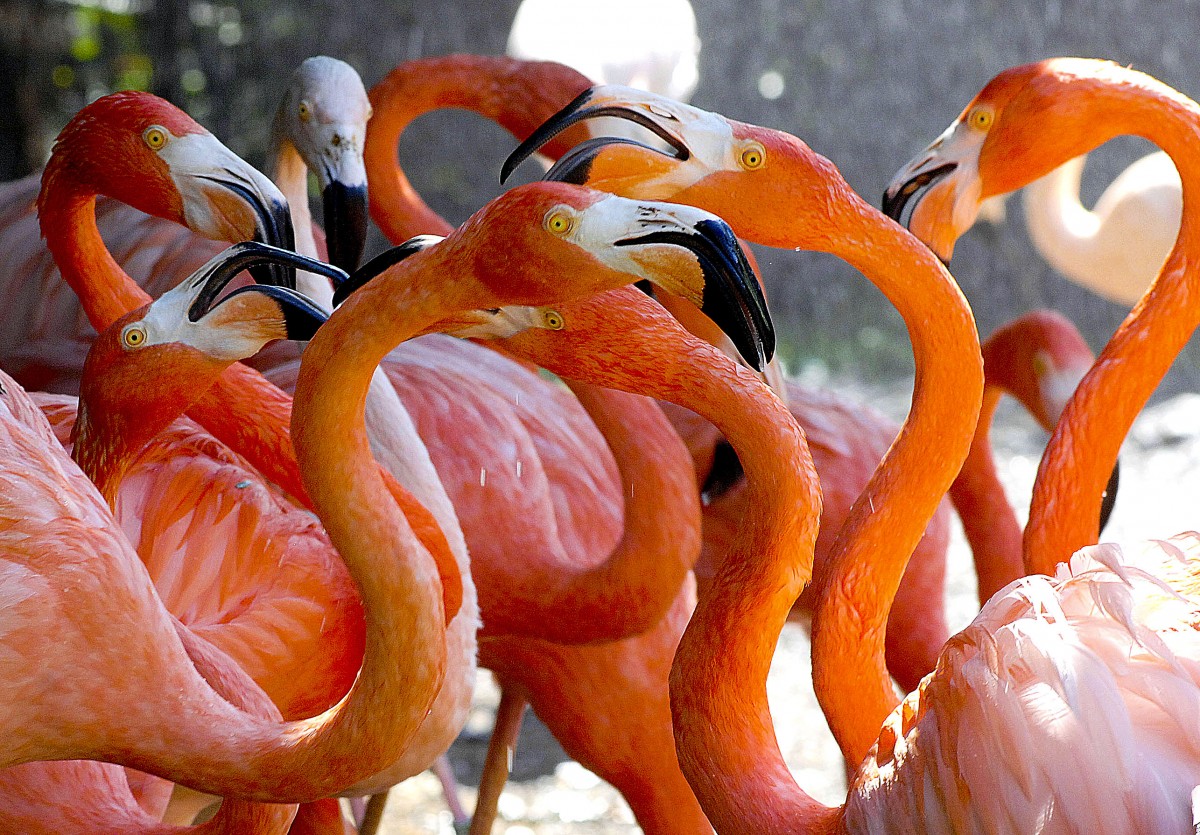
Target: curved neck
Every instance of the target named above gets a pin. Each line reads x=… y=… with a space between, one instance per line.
x=1065 y=508
x=518 y=95
x=724 y=735
x=883 y=527
x=635 y=585
x=68 y=219
x=397 y=580
x=1063 y=231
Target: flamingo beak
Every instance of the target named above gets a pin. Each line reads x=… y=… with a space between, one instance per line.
x=605 y=100
x=226 y=199
x=381 y=263
x=345 y=209
x=911 y=184
x=342 y=177
x=301 y=315
x=725 y=290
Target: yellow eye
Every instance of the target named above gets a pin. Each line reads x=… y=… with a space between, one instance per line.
x=134 y=336
x=559 y=221
x=305 y=111
x=753 y=156
x=155 y=137
x=1041 y=364
x=981 y=117
x=553 y=320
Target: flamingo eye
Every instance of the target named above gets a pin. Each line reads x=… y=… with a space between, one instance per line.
x=305 y=111
x=559 y=221
x=981 y=117
x=134 y=335
x=553 y=320
x=753 y=156
x=155 y=137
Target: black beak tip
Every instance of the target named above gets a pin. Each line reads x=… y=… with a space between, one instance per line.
x=345 y=209
x=553 y=126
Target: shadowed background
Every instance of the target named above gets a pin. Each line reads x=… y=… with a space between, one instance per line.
x=865 y=82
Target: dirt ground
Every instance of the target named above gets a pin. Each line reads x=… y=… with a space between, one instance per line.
x=551 y=795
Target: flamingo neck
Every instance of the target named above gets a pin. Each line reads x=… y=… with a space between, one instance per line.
x=883 y=527
x=626 y=593
x=988 y=520
x=1064 y=511
x=106 y=292
x=517 y=95
x=68 y=220
x=724 y=735
x=290 y=174
x=1062 y=229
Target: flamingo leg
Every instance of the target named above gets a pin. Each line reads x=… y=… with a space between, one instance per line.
x=445 y=774
x=509 y=714
x=373 y=813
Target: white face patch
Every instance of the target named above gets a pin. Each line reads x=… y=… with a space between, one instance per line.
x=708 y=137
x=598 y=227
x=167 y=322
x=1058 y=385
x=961 y=144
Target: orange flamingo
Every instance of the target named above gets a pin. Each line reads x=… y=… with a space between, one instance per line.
x=651 y=232
x=123 y=587
x=1038 y=358
x=756 y=178
x=521 y=597
x=337 y=726
x=264 y=439
x=1014 y=131
x=1024 y=645
x=626 y=741
x=319 y=122
x=848 y=441
x=46 y=796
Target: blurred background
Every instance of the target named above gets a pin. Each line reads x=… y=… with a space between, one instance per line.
x=866 y=82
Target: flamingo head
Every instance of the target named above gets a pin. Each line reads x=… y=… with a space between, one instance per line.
x=766 y=183
x=324 y=115
x=144 y=151
x=543 y=242
x=1039 y=358
x=153 y=363
x=1019 y=127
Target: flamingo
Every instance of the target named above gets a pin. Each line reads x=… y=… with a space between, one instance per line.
x=521 y=599
x=1023 y=108
x=848 y=441
x=264 y=439
x=921 y=772
x=267 y=445
x=1116 y=248
x=626 y=741
x=46 y=338
x=112 y=121
x=81 y=796
x=1038 y=358
x=111 y=708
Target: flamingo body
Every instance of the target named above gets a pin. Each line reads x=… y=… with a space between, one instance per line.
x=1066 y=706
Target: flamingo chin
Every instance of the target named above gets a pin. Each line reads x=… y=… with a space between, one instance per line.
x=1068 y=705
